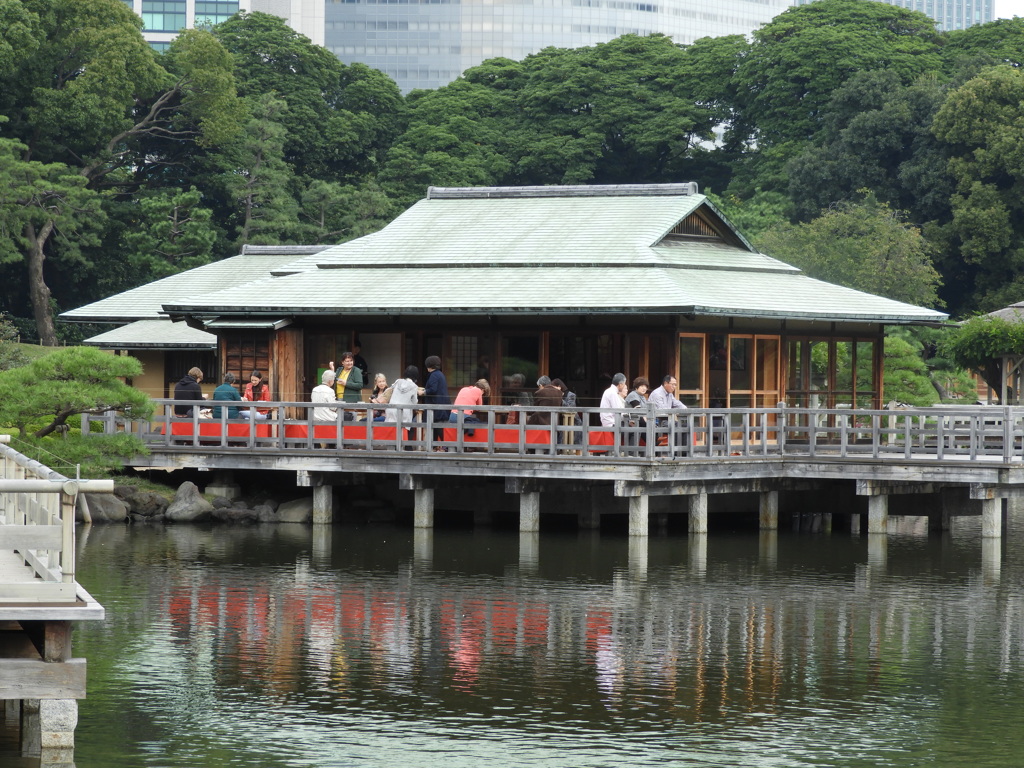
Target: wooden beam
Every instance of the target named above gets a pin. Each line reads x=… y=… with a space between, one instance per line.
x=34 y=679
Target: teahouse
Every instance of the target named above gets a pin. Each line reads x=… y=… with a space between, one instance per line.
x=575 y=282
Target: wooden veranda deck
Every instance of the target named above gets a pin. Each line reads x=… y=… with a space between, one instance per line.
x=977 y=452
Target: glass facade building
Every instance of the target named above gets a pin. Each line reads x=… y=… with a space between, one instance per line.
x=163 y=19
x=428 y=43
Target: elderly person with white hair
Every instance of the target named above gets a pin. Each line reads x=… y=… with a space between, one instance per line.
x=613 y=397
x=324 y=393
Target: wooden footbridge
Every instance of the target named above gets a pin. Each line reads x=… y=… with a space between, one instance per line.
x=941 y=461
x=40 y=679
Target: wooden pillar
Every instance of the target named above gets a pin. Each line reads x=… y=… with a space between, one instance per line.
x=638 y=515
x=768 y=506
x=992 y=518
x=529 y=511
x=323 y=504
x=423 y=508
x=699 y=513
x=878 y=514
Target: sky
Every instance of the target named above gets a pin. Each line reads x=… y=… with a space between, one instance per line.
x=1007 y=9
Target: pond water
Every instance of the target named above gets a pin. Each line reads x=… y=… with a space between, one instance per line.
x=381 y=646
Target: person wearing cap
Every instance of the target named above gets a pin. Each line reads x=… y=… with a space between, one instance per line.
x=256 y=391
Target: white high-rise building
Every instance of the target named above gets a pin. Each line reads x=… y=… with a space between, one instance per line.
x=163 y=19
x=428 y=43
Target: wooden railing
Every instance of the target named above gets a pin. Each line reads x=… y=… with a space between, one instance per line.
x=953 y=432
x=37 y=528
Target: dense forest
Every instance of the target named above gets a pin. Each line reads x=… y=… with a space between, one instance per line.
x=848 y=137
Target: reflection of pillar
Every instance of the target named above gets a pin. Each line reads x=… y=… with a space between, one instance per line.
x=423 y=548
x=699 y=513
x=638 y=557
x=323 y=504
x=991 y=560
x=529 y=551
x=697 y=544
x=423 y=508
x=638 y=513
x=878 y=553
x=768 y=505
x=529 y=512
x=992 y=518
x=878 y=513
x=322 y=538
x=768 y=549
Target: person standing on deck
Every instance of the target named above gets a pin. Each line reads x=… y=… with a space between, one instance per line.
x=360 y=362
x=664 y=397
x=405 y=392
x=613 y=397
x=349 y=380
x=435 y=392
x=473 y=395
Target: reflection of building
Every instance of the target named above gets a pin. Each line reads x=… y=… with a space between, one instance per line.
x=573 y=282
x=163 y=19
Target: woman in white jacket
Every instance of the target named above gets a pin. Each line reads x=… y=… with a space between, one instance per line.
x=405 y=392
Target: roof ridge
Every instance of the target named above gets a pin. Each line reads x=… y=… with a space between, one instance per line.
x=570 y=190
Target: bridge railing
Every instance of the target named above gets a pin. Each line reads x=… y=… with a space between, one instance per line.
x=37 y=526
x=946 y=432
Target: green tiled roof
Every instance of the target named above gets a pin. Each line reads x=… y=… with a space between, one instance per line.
x=154 y=334
x=556 y=250
x=254 y=263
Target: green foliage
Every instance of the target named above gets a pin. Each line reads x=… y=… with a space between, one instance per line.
x=905 y=378
x=979 y=344
x=173 y=233
x=48 y=391
x=764 y=211
x=980 y=122
x=864 y=245
x=260 y=183
x=11 y=354
x=89 y=456
x=804 y=54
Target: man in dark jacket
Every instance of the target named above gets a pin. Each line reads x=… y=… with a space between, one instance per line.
x=435 y=392
x=188 y=389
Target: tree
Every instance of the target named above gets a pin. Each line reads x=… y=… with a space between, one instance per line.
x=799 y=59
x=40 y=202
x=905 y=378
x=876 y=133
x=979 y=122
x=11 y=355
x=340 y=119
x=84 y=90
x=864 y=245
x=980 y=343
x=44 y=394
x=172 y=233
x=260 y=182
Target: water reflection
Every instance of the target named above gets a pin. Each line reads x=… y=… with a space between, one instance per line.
x=391 y=647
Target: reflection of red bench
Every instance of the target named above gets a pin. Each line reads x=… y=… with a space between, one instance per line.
x=208 y=428
x=329 y=432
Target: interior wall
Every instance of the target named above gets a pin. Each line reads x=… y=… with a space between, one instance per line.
x=383 y=353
